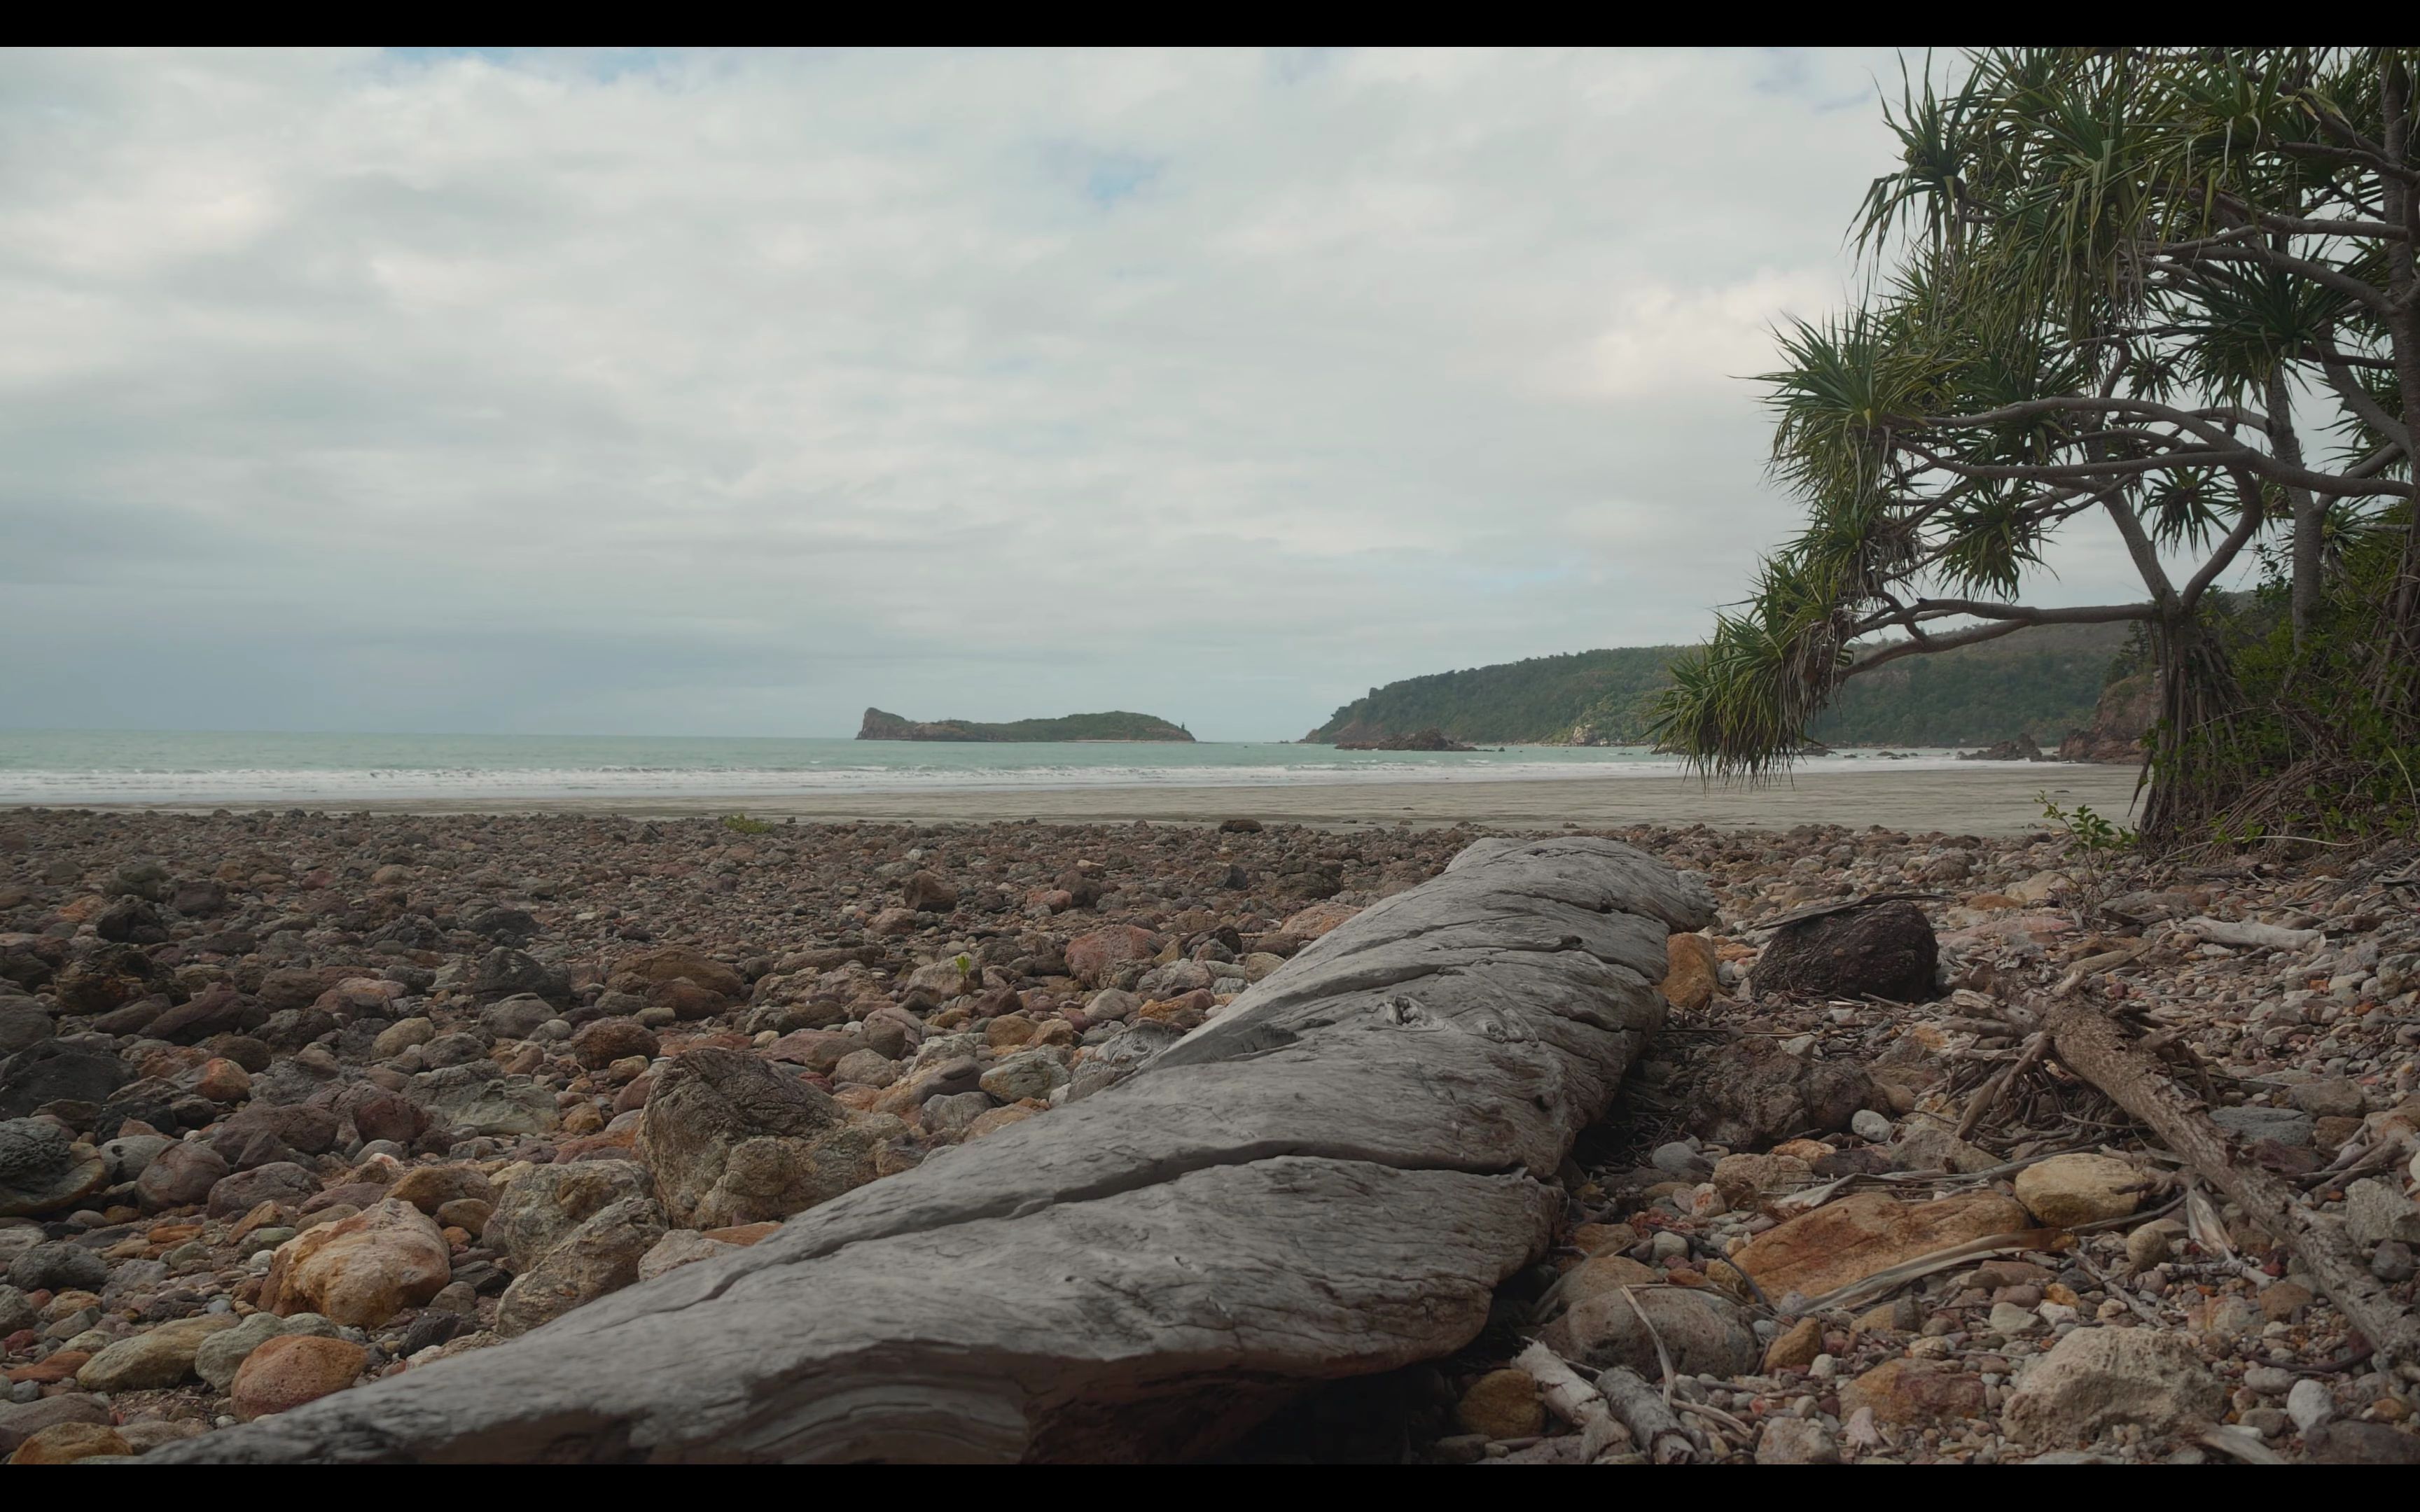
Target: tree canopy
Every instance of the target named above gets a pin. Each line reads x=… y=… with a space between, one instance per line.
x=2104 y=285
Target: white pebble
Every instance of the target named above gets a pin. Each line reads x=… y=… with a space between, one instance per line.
x=2310 y=1405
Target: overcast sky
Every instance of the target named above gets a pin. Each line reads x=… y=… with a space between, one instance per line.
x=671 y=394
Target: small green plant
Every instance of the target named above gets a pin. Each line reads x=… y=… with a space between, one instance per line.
x=739 y=824
x=2094 y=844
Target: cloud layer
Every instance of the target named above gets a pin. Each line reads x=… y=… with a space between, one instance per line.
x=664 y=393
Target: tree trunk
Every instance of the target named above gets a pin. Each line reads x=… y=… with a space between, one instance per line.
x=2400 y=652
x=2192 y=765
x=2310 y=512
x=1329 y=1179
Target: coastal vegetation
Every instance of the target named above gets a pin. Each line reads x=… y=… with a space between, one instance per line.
x=1116 y=724
x=2166 y=292
x=1539 y=701
x=2042 y=684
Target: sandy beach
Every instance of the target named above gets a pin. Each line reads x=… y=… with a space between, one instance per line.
x=1984 y=799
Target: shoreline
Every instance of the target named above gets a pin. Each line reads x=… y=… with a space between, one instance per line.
x=1983 y=801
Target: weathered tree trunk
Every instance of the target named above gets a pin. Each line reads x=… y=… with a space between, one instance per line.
x=1330 y=1179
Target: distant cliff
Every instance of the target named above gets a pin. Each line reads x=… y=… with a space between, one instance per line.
x=1115 y=725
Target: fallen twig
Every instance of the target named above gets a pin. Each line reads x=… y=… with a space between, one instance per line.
x=1663 y=1356
x=1998 y=1086
x=1642 y=1409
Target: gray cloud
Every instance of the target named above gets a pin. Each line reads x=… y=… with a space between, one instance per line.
x=731 y=393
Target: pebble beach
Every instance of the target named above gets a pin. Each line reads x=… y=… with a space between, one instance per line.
x=293 y=1100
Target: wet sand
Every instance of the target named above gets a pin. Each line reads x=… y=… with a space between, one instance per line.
x=1983 y=799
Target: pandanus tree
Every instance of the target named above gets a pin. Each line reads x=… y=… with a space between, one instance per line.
x=2109 y=288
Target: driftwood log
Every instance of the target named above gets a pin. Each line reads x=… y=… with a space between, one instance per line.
x=1330 y=1179
x=2092 y=1047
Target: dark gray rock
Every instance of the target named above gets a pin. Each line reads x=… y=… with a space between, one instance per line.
x=517 y=1017
x=542 y=1209
x=598 y=1258
x=266 y=1133
x=281 y=1181
x=504 y=972
x=2350 y=1443
x=22 y=1024
x=1704 y=1334
x=505 y=926
x=21 y=1421
x=1884 y=949
x=200 y=898
x=180 y=1175
x=1752 y=1093
x=2291 y=1127
x=43 y=1169
x=217 y=1009
x=56 y=1267
x=131 y=921
x=146 y=880
x=54 y=1072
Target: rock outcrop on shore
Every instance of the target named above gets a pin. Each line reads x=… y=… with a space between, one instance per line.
x=1431 y=739
x=2128 y=709
x=383 y=1091
x=2022 y=748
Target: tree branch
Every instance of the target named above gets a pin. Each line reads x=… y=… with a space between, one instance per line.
x=2247 y=526
x=2320 y=273
x=2011 y=618
x=2359 y=401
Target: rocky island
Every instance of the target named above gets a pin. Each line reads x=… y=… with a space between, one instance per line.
x=1117 y=724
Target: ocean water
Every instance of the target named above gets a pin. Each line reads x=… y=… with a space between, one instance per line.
x=68 y=768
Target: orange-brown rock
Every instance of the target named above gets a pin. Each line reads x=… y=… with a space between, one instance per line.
x=1502 y=1404
x=1850 y=1240
x=670 y=963
x=1595 y=1239
x=222 y=1081
x=60 y=1366
x=744 y=1233
x=1911 y=1392
x=1689 y=976
x=64 y=1443
x=293 y=1368
x=1795 y=1348
x=431 y=1187
x=361 y=1269
x=1311 y=922
x=997 y=1120
x=1096 y=954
